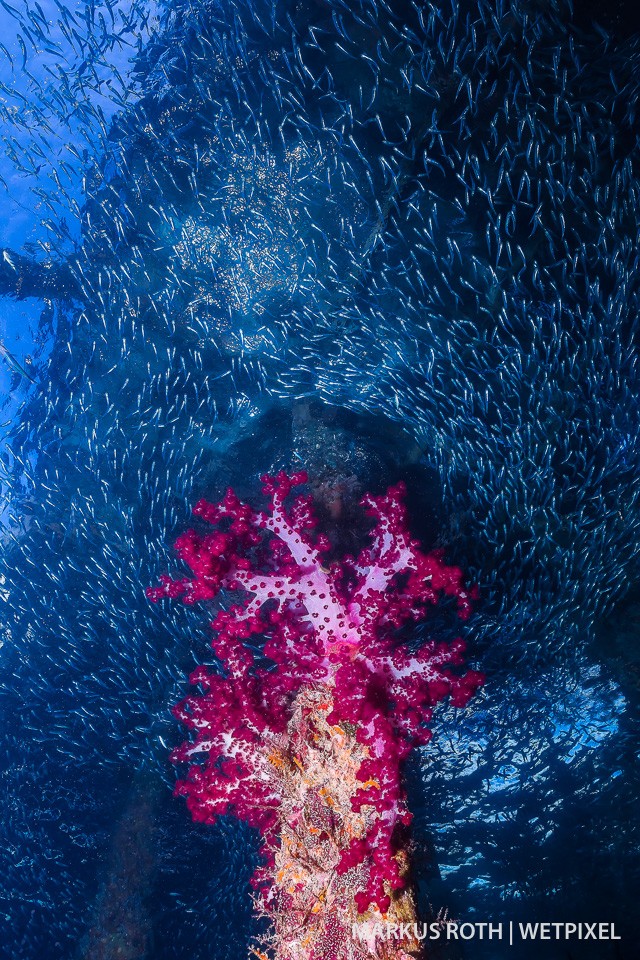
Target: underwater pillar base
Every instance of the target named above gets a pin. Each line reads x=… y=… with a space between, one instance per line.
x=311 y=903
x=121 y=923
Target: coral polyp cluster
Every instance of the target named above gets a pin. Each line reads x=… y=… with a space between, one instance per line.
x=314 y=899
x=303 y=734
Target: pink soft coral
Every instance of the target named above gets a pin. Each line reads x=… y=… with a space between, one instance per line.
x=332 y=630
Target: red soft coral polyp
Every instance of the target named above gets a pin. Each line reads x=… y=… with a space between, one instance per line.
x=333 y=690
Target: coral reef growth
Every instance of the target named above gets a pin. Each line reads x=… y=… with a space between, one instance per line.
x=308 y=747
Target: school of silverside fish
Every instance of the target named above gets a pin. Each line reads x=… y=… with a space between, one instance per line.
x=420 y=217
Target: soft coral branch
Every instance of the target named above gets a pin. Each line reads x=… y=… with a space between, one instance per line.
x=332 y=630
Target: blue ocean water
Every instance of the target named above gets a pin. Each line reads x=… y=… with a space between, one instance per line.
x=383 y=240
